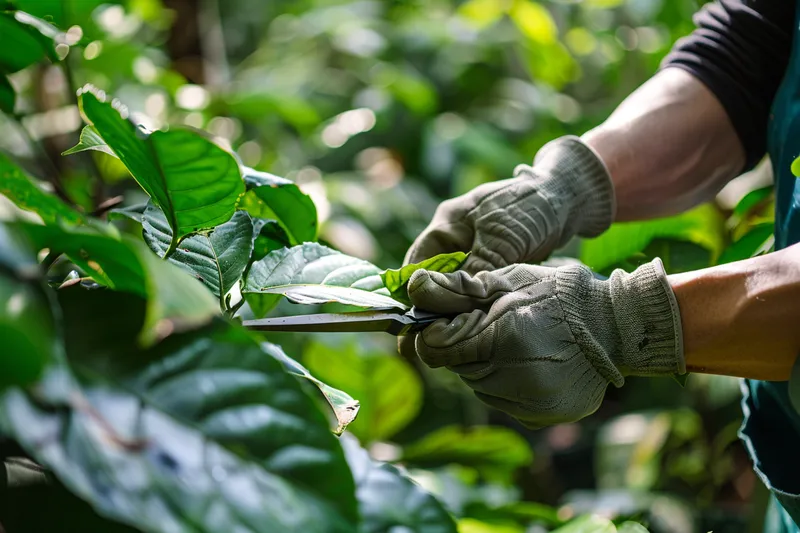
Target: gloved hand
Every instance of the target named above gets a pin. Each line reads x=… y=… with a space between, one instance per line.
x=542 y=344
x=568 y=191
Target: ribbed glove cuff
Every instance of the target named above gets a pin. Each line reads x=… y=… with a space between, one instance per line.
x=648 y=321
x=575 y=181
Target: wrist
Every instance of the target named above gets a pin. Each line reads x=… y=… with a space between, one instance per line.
x=648 y=319
x=575 y=180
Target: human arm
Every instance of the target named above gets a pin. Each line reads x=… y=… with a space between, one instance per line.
x=700 y=121
x=671 y=145
x=742 y=319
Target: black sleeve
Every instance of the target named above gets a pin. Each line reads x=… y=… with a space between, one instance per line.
x=740 y=50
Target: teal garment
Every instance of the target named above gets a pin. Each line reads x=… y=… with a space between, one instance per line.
x=771 y=426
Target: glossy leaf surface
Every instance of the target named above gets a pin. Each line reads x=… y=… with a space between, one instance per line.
x=217 y=259
x=195 y=182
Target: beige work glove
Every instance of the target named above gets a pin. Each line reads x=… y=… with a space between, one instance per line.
x=542 y=344
x=566 y=192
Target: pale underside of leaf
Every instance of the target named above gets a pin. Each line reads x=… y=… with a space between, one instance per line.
x=90 y=140
x=314 y=274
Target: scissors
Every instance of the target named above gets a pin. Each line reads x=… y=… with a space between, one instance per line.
x=396 y=323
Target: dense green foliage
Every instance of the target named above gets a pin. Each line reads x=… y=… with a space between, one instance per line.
x=127 y=263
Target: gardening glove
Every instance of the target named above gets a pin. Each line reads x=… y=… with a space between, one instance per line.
x=566 y=192
x=542 y=344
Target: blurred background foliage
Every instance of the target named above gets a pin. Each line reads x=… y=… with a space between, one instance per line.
x=379 y=110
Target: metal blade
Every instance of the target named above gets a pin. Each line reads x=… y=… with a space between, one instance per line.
x=390 y=322
x=334 y=322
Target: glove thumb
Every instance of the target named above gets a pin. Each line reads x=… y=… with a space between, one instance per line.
x=459 y=292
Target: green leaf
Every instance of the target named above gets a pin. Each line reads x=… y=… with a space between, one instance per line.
x=631 y=527
x=471 y=525
x=195 y=182
x=204 y=432
x=26 y=40
x=27 y=325
x=314 y=274
x=344 y=407
x=396 y=280
x=217 y=259
x=27 y=195
x=273 y=198
x=7 y=96
x=389 y=501
x=270 y=236
x=495 y=451
x=389 y=390
x=175 y=301
x=588 y=524
x=755 y=242
x=795 y=168
x=90 y=140
x=703 y=226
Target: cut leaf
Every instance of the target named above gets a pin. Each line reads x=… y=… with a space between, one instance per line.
x=203 y=433
x=195 y=182
x=314 y=274
x=175 y=301
x=495 y=451
x=7 y=96
x=344 y=407
x=703 y=226
x=396 y=280
x=273 y=198
x=27 y=195
x=217 y=259
x=389 y=501
x=90 y=140
x=26 y=40
x=389 y=390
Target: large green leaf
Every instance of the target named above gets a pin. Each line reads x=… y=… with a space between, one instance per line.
x=175 y=301
x=703 y=226
x=396 y=280
x=389 y=501
x=7 y=96
x=27 y=325
x=90 y=140
x=217 y=259
x=273 y=198
x=26 y=40
x=204 y=432
x=314 y=274
x=27 y=195
x=195 y=182
x=389 y=390
x=495 y=451
x=344 y=406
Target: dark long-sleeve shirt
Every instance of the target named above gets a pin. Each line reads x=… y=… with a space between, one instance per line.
x=740 y=50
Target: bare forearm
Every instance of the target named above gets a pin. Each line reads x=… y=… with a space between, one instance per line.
x=742 y=319
x=669 y=146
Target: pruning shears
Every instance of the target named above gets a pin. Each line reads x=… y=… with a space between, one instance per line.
x=396 y=323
